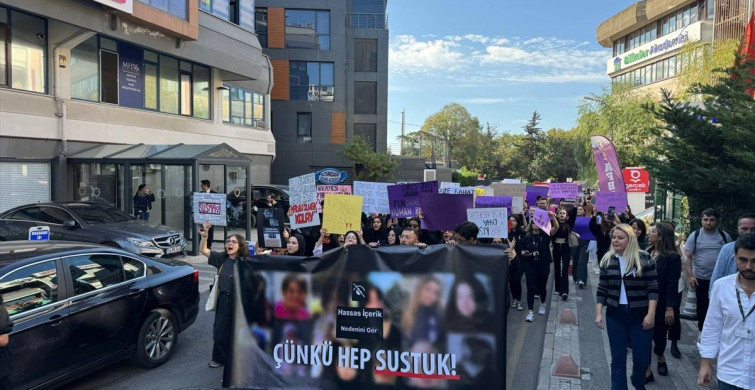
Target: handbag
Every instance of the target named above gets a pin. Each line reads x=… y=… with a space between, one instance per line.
x=212 y=299
x=573 y=240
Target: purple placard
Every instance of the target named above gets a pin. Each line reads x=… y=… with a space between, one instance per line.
x=493 y=202
x=130 y=76
x=444 y=211
x=404 y=199
x=563 y=190
x=616 y=199
x=543 y=220
x=582 y=227
x=533 y=192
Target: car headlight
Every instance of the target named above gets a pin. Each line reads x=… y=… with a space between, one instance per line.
x=141 y=243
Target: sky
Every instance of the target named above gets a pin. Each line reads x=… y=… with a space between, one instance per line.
x=501 y=59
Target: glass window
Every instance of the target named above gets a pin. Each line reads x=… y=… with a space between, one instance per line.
x=237 y=106
x=709 y=9
x=186 y=94
x=365 y=55
x=368 y=131
x=94 y=272
x=109 y=77
x=225 y=95
x=133 y=268
x=327 y=82
x=365 y=97
x=3 y=53
x=260 y=25
x=201 y=92
x=307 y=29
x=168 y=84
x=693 y=13
x=679 y=19
x=27 y=57
x=108 y=44
x=304 y=127
x=30 y=287
x=672 y=67
x=248 y=120
x=311 y=80
x=26 y=214
x=259 y=107
x=176 y=8
x=150 y=86
x=54 y=215
x=85 y=71
x=672 y=23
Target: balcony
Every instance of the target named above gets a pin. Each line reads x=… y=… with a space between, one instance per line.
x=368 y=21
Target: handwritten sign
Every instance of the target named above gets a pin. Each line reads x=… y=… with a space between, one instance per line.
x=563 y=190
x=303 y=201
x=509 y=189
x=517 y=204
x=483 y=191
x=323 y=189
x=492 y=201
x=209 y=207
x=604 y=199
x=445 y=211
x=374 y=196
x=404 y=199
x=511 y=181
x=457 y=190
x=492 y=222
x=447 y=184
x=342 y=213
x=542 y=219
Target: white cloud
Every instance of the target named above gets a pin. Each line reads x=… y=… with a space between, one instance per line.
x=408 y=54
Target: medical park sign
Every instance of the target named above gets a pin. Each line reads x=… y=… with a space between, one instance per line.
x=692 y=33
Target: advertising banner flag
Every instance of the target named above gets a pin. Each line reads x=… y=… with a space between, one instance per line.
x=359 y=319
x=303 y=201
x=405 y=199
x=607 y=164
x=209 y=207
x=445 y=211
x=342 y=213
x=582 y=227
x=374 y=196
x=492 y=222
x=616 y=199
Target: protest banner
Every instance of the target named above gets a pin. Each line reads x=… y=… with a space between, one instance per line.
x=303 y=201
x=542 y=219
x=348 y=298
x=457 y=190
x=374 y=196
x=323 y=189
x=563 y=190
x=533 y=192
x=448 y=184
x=342 y=213
x=209 y=207
x=445 y=211
x=404 y=199
x=501 y=189
x=492 y=222
x=604 y=199
x=492 y=201
x=582 y=227
x=270 y=225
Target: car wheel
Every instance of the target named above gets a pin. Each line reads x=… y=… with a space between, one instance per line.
x=157 y=339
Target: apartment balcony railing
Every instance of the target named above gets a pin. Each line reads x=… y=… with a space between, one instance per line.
x=368 y=21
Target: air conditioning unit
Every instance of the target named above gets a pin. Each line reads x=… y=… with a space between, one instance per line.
x=429 y=175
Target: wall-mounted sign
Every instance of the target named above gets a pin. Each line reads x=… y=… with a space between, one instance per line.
x=636 y=179
x=121 y=5
x=694 y=32
x=130 y=75
x=330 y=176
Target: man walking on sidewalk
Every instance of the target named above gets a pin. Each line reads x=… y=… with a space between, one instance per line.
x=729 y=325
x=726 y=265
x=702 y=248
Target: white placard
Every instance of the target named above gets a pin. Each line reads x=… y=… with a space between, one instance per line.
x=448 y=184
x=303 y=201
x=374 y=196
x=492 y=222
x=517 y=204
x=457 y=190
x=209 y=207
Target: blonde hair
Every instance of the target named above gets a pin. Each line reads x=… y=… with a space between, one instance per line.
x=631 y=252
x=408 y=319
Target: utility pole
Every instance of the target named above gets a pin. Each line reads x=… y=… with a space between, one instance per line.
x=403 y=123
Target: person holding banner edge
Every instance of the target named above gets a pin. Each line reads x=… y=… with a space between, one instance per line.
x=235 y=248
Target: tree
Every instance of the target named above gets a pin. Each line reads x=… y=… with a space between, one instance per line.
x=369 y=165
x=708 y=151
x=699 y=61
x=528 y=149
x=450 y=125
x=558 y=160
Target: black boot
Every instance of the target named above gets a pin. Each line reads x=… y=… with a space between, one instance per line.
x=675 y=350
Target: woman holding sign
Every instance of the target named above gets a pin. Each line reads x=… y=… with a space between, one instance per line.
x=535 y=251
x=235 y=248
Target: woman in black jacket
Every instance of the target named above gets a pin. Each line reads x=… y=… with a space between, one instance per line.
x=669 y=265
x=375 y=234
x=516 y=233
x=535 y=252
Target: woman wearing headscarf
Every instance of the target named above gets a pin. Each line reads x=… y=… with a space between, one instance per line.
x=375 y=234
x=295 y=245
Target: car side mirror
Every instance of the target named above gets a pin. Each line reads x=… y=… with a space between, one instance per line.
x=70 y=224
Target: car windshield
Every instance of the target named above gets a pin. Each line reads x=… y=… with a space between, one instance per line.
x=100 y=213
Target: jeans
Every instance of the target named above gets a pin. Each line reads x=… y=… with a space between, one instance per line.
x=701 y=293
x=726 y=386
x=581 y=257
x=622 y=326
x=142 y=214
x=536 y=272
x=561 y=259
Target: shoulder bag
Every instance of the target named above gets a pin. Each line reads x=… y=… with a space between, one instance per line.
x=573 y=240
x=212 y=299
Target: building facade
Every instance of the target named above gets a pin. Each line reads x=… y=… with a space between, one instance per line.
x=330 y=64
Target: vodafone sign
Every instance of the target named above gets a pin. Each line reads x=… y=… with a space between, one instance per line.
x=636 y=179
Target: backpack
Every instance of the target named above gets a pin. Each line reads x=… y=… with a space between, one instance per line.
x=721 y=232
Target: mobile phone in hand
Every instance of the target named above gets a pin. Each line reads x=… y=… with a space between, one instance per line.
x=611 y=212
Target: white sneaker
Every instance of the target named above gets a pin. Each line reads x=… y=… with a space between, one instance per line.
x=513 y=303
x=541 y=310
x=530 y=316
x=519 y=306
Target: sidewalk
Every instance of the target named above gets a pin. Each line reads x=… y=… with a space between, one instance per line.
x=576 y=354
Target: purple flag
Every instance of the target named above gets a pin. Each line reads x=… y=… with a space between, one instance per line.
x=444 y=211
x=615 y=199
x=607 y=164
x=582 y=227
x=405 y=199
x=533 y=192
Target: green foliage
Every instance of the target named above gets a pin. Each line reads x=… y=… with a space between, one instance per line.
x=711 y=161
x=700 y=60
x=465 y=177
x=369 y=165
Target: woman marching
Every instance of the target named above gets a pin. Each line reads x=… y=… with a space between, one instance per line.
x=235 y=248
x=628 y=287
x=516 y=232
x=535 y=251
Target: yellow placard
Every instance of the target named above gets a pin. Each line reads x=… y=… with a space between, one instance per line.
x=342 y=213
x=479 y=191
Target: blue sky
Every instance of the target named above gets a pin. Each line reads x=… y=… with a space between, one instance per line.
x=501 y=59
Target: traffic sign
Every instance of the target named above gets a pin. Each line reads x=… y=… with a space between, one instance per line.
x=39 y=233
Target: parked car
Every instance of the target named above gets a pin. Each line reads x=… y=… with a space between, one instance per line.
x=78 y=307
x=95 y=222
x=237 y=198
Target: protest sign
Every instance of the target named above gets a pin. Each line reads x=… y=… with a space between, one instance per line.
x=374 y=196
x=303 y=201
x=445 y=211
x=342 y=213
x=501 y=189
x=492 y=222
x=405 y=199
x=517 y=204
x=511 y=181
x=483 y=191
x=582 y=227
x=280 y=343
x=493 y=201
x=563 y=190
x=542 y=219
x=270 y=228
x=447 y=184
x=209 y=207
x=457 y=190
x=533 y=192
x=604 y=199
x=323 y=189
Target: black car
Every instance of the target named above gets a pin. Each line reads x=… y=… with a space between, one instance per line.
x=78 y=307
x=238 y=204
x=95 y=222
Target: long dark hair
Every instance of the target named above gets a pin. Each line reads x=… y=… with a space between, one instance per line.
x=667 y=239
x=643 y=228
x=480 y=298
x=243 y=247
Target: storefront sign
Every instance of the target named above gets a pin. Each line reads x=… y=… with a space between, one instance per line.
x=130 y=76
x=126 y=6
x=636 y=179
x=330 y=176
